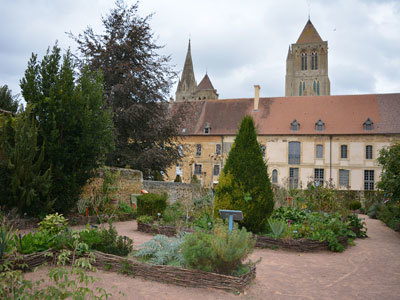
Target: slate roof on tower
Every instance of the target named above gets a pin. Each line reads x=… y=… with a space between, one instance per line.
x=309 y=35
x=205 y=84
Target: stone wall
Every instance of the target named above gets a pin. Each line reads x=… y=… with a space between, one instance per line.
x=176 y=191
x=129 y=182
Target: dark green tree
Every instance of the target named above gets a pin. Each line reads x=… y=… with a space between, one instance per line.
x=137 y=81
x=8 y=101
x=28 y=184
x=73 y=124
x=389 y=159
x=244 y=183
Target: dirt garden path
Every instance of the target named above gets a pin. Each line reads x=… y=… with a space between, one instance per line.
x=369 y=270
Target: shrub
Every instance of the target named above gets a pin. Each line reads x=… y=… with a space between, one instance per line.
x=198 y=252
x=125 y=208
x=173 y=213
x=53 y=223
x=354 y=205
x=161 y=250
x=244 y=183
x=231 y=248
x=112 y=243
x=151 y=204
x=145 y=219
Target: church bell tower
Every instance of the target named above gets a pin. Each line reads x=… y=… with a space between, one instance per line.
x=307 y=65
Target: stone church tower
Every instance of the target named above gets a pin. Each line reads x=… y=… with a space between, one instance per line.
x=187 y=86
x=307 y=65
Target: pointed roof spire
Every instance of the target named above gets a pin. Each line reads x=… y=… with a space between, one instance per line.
x=309 y=34
x=205 y=83
x=188 y=79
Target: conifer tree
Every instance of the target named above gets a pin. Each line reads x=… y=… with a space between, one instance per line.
x=28 y=184
x=73 y=124
x=8 y=101
x=244 y=183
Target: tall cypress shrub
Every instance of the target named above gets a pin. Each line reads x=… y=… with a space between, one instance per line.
x=244 y=183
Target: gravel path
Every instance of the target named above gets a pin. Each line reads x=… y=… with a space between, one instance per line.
x=369 y=270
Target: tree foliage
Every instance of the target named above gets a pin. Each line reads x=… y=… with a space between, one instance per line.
x=73 y=124
x=244 y=183
x=26 y=184
x=389 y=159
x=8 y=101
x=137 y=81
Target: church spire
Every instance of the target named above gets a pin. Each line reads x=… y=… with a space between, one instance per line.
x=187 y=84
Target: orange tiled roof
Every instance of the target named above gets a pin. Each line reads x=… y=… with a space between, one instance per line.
x=205 y=84
x=340 y=114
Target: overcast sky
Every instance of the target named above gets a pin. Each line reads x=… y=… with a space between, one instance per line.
x=238 y=42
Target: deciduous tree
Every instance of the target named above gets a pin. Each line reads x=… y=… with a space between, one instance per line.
x=137 y=81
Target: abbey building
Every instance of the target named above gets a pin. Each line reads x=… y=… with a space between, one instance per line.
x=308 y=135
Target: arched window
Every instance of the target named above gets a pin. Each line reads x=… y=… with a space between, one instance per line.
x=320 y=125
x=368 y=125
x=294 y=126
x=304 y=87
x=300 y=89
x=275 y=176
x=314 y=85
x=314 y=61
x=304 y=61
x=318 y=88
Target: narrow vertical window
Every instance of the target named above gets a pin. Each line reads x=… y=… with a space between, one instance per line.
x=198 y=150
x=216 y=170
x=319 y=151
x=275 y=176
x=293 y=178
x=197 y=169
x=314 y=86
x=369 y=180
x=304 y=87
x=319 y=177
x=368 y=152
x=218 y=149
x=344 y=178
x=300 y=89
x=317 y=88
x=304 y=61
x=314 y=61
x=294 y=153
x=343 y=151
x=263 y=150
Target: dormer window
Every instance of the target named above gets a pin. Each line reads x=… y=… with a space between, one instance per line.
x=368 y=125
x=319 y=126
x=207 y=128
x=294 y=126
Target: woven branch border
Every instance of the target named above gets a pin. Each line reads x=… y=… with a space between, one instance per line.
x=166 y=274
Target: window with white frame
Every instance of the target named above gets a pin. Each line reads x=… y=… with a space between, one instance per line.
x=369 y=183
x=198 y=150
x=319 y=177
x=344 y=178
x=319 y=151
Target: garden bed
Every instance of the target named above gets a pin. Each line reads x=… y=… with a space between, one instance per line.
x=166 y=274
x=28 y=223
x=158 y=229
x=302 y=245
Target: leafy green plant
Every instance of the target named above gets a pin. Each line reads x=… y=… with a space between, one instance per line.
x=354 y=205
x=277 y=227
x=53 y=223
x=292 y=214
x=126 y=268
x=145 y=219
x=125 y=208
x=151 y=204
x=36 y=242
x=161 y=250
x=6 y=240
x=244 y=183
x=356 y=224
x=173 y=214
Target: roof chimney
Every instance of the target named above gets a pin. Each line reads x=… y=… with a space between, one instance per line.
x=256 y=96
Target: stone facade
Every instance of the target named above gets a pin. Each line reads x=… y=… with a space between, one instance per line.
x=307 y=65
